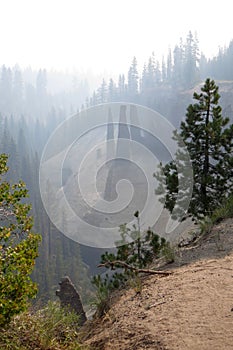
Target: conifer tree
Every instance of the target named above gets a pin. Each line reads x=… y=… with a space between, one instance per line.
x=178 y=65
x=133 y=81
x=112 y=91
x=209 y=141
x=169 y=66
x=191 y=59
x=102 y=92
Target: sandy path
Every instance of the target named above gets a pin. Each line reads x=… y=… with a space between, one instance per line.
x=192 y=309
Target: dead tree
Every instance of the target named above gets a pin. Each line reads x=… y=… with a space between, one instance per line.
x=70 y=298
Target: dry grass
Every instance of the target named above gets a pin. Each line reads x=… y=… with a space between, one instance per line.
x=46 y=329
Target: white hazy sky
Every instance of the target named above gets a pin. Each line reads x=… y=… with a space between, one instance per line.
x=104 y=35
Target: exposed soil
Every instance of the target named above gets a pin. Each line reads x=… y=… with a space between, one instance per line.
x=191 y=309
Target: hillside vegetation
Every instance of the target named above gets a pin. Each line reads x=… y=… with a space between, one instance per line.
x=192 y=308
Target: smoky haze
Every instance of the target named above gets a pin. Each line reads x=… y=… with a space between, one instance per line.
x=104 y=36
x=62 y=58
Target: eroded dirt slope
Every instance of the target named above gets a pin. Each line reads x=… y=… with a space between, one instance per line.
x=190 y=309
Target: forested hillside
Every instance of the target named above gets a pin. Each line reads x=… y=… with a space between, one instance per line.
x=167 y=85
x=30 y=109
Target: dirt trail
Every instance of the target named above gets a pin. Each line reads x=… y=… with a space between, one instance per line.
x=190 y=309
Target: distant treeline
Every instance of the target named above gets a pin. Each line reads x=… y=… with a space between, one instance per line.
x=39 y=94
x=182 y=69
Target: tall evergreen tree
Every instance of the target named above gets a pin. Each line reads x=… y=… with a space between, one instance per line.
x=209 y=141
x=133 y=81
x=143 y=80
x=151 y=72
x=169 y=66
x=177 y=73
x=17 y=91
x=158 y=74
x=102 y=92
x=191 y=59
x=41 y=83
x=41 y=93
x=112 y=91
x=6 y=90
x=121 y=87
x=164 y=71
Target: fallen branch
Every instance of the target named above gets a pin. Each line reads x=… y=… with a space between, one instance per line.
x=157 y=304
x=120 y=263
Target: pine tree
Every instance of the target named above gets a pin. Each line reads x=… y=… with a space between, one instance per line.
x=143 y=80
x=121 y=87
x=102 y=92
x=209 y=141
x=191 y=59
x=133 y=81
x=6 y=90
x=164 y=71
x=112 y=91
x=151 y=72
x=169 y=66
x=17 y=91
x=41 y=83
x=177 y=72
x=41 y=93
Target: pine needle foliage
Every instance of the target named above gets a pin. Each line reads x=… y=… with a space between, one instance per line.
x=208 y=137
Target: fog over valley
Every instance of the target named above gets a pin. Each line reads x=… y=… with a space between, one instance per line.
x=117 y=116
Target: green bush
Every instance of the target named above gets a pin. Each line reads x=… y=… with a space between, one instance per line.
x=18 y=248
